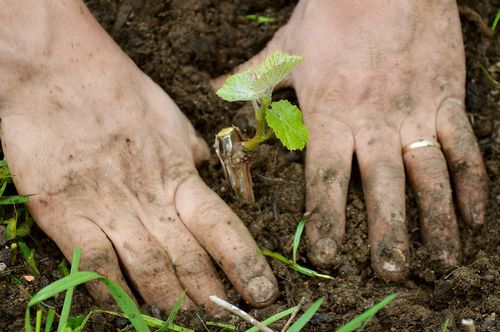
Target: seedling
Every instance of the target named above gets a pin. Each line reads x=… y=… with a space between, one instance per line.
x=293 y=263
x=259 y=19
x=140 y=323
x=279 y=118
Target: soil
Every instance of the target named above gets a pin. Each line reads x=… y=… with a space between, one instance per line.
x=181 y=44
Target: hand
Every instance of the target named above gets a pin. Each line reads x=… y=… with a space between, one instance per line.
x=110 y=161
x=374 y=79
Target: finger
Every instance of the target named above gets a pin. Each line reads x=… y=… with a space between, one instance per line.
x=428 y=175
x=277 y=42
x=464 y=160
x=328 y=169
x=69 y=232
x=191 y=262
x=199 y=147
x=382 y=172
x=227 y=240
x=145 y=262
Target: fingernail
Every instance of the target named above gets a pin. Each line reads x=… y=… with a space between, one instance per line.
x=262 y=290
x=395 y=261
x=323 y=252
x=477 y=214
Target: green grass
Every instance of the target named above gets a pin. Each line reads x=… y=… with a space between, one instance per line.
x=360 y=321
x=293 y=263
x=495 y=21
x=259 y=19
x=140 y=323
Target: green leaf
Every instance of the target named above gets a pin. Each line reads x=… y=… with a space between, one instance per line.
x=61 y=285
x=38 y=320
x=51 y=314
x=173 y=313
x=63 y=321
x=286 y=121
x=11 y=229
x=273 y=70
x=367 y=315
x=445 y=326
x=224 y=326
x=2 y=189
x=274 y=318
x=306 y=316
x=27 y=321
x=126 y=304
x=295 y=266
x=29 y=257
x=296 y=238
x=238 y=87
x=259 y=19
x=9 y=200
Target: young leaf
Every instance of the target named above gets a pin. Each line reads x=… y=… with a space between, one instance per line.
x=61 y=285
x=367 y=315
x=286 y=121
x=274 y=69
x=306 y=316
x=75 y=261
x=238 y=87
x=173 y=313
x=273 y=318
x=296 y=238
x=9 y=200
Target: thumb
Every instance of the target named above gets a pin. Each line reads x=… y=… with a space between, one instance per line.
x=277 y=42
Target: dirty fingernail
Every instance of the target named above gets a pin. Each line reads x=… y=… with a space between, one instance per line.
x=393 y=264
x=262 y=290
x=477 y=214
x=323 y=252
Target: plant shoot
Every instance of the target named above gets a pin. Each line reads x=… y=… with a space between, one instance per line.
x=279 y=118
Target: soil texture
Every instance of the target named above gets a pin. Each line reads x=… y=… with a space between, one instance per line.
x=182 y=44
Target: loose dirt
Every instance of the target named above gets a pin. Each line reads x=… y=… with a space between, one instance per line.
x=181 y=44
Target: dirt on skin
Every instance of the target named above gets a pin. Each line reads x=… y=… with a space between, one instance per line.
x=181 y=44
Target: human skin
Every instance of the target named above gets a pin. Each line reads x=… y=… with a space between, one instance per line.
x=376 y=77
x=110 y=161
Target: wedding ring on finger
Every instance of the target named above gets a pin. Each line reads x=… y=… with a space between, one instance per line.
x=421 y=143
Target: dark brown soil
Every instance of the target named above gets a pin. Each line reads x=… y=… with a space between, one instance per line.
x=181 y=44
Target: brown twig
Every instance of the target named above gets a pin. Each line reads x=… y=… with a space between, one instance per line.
x=474 y=16
x=237 y=311
x=294 y=314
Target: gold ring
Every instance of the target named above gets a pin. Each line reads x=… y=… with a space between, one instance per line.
x=421 y=143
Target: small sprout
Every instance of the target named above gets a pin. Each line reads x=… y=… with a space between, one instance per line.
x=279 y=118
x=495 y=21
x=259 y=19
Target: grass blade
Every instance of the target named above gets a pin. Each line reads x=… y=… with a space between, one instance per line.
x=173 y=312
x=297 y=236
x=226 y=327
x=306 y=316
x=295 y=266
x=10 y=200
x=495 y=21
x=126 y=304
x=274 y=318
x=62 y=284
x=75 y=261
x=367 y=315
x=29 y=256
x=27 y=322
x=51 y=314
x=445 y=327
x=38 y=324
